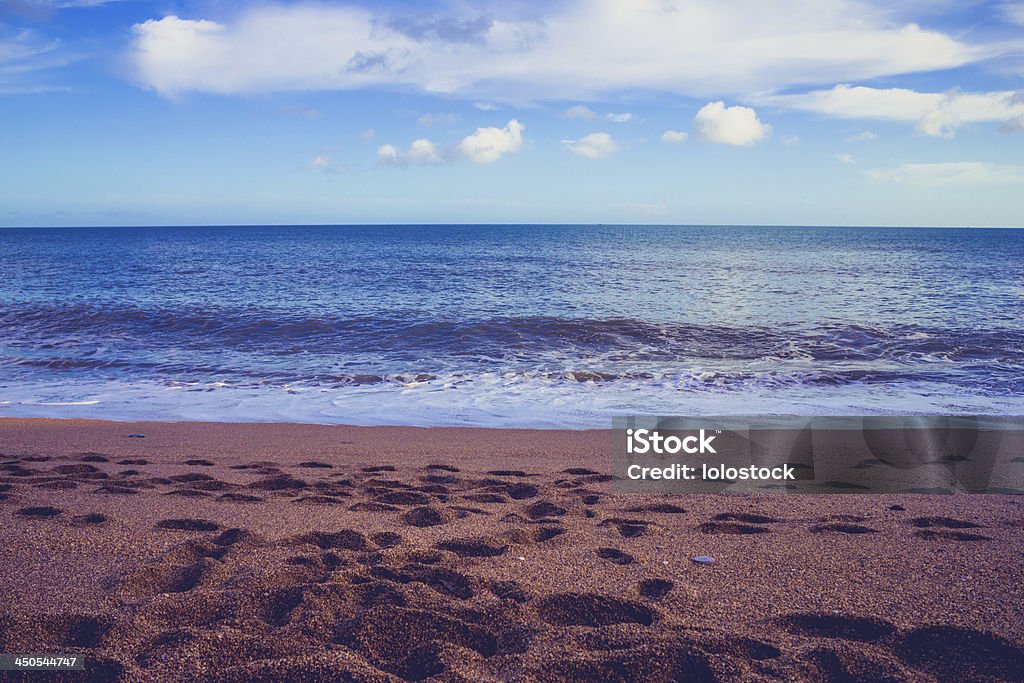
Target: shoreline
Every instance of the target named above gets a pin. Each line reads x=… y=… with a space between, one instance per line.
x=296 y=441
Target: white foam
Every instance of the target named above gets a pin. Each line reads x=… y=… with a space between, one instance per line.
x=487 y=400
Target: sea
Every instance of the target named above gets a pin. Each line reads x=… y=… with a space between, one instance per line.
x=544 y=326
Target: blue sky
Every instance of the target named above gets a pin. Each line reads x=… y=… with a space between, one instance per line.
x=831 y=112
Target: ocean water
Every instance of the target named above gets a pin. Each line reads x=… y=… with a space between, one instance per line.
x=533 y=326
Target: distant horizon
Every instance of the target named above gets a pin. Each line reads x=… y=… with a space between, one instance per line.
x=512 y=225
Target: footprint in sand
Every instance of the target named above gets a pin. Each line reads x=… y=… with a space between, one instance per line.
x=187 y=524
x=345 y=539
x=239 y=498
x=543 y=508
x=316 y=465
x=39 y=511
x=282 y=482
x=509 y=590
x=373 y=507
x=443 y=468
x=615 y=556
x=115 y=490
x=745 y=517
x=427 y=516
x=76 y=469
x=844 y=627
x=386 y=539
x=486 y=498
x=89 y=519
x=403 y=498
x=958 y=654
x=655 y=589
x=732 y=528
x=408 y=642
x=473 y=547
x=660 y=508
x=842 y=528
x=627 y=528
x=63 y=630
x=943 y=523
x=946 y=535
x=591 y=609
x=546 y=533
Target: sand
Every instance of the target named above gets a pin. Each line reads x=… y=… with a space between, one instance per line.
x=239 y=552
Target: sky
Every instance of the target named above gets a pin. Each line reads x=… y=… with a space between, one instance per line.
x=768 y=112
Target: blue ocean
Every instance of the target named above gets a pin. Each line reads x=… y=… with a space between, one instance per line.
x=529 y=326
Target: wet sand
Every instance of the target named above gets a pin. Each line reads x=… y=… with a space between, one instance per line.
x=236 y=552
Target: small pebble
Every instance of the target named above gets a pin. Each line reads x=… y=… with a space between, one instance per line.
x=704 y=559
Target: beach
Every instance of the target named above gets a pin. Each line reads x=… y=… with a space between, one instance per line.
x=220 y=551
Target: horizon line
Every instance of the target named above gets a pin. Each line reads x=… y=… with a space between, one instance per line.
x=512 y=224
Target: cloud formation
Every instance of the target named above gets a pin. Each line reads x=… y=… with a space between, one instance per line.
x=24 y=54
x=863 y=136
x=934 y=114
x=674 y=136
x=593 y=146
x=420 y=152
x=950 y=174
x=1014 y=12
x=580 y=112
x=483 y=146
x=576 y=49
x=487 y=145
x=624 y=117
x=730 y=125
x=429 y=120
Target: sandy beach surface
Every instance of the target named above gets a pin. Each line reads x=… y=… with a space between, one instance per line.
x=271 y=552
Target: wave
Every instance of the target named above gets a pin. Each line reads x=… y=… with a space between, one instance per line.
x=81 y=328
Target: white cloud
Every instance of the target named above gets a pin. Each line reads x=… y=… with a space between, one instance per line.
x=320 y=162
x=674 y=136
x=863 y=136
x=593 y=146
x=24 y=56
x=619 y=118
x=579 y=113
x=430 y=120
x=42 y=10
x=575 y=49
x=487 y=145
x=1014 y=125
x=844 y=158
x=936 y=114
x=730 y=125
x=951 y=174
x=940 y=123
x=483 y=146
x=1013 y=12
x=485 y=106
x=790 y=140
x=368 y=134
x=420 y=152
